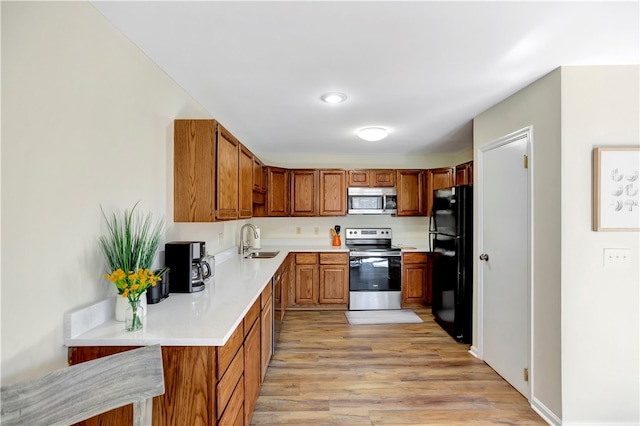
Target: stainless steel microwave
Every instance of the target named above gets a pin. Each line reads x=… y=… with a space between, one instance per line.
x=372 y=201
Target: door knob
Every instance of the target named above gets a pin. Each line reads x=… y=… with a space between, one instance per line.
x=484 y=257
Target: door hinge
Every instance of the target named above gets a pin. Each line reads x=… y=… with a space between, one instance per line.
x=526 y=374
x=526 y=161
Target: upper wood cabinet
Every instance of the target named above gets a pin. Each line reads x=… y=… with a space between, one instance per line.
x=374 y=178
x=333 y=193
x=227 y=176
x=245 y=183
x=194 y=188
x=464 y=173
x=437 y=179
x=257 y=174
x=410 y=192
x=277 y=191
x=304 y=190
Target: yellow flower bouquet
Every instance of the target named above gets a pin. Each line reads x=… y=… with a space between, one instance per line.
x=132 y=285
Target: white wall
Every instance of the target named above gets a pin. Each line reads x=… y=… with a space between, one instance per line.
x=586 y=355
x=600 y=306
x=87 y=121
x=538 y=105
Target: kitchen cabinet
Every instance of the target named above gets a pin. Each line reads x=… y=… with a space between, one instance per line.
x=333 y=193
x=252 y=360
x=334 y=278
x=277 y=191
x=306 y=279
x=304 y=190
x=439 y=178
x=464 y=173
x=229 y=396
x=321 y=280
x=227 y=176
x=245 y=183
x=194 y=169
x=410 y=184
x=371 y=178
x=266 y=332
x=257 y=175
x=416 y=278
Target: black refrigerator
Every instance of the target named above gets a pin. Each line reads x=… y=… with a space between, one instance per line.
x=451 y=238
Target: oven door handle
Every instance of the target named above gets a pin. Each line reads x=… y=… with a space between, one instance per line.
x=373 y=254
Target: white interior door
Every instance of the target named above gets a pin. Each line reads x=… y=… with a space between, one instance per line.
x=504 y=276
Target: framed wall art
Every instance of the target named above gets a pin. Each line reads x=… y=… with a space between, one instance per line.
x=616 y=189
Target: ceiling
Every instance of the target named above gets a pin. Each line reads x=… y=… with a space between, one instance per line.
x=422 y=69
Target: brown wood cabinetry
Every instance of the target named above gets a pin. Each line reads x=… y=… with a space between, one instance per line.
x=227 y=179
x=334 y=278
x=321 y=280
x=266 y=333
x=416 y=278
x=277 y=191
x=252 y=360
x=194 y=188
x=443 y=177
x=410 y=192
x=245 y=183
x=464 y=173
x=306 y=279
x=333 y=193
x=373 y=178
x=257 y=174
x=304 y=190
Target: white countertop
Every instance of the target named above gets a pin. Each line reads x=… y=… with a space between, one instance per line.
x=205 y=318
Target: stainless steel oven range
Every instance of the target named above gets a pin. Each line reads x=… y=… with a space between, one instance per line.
x=374 y=269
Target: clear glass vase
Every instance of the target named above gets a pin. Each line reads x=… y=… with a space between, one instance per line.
x=134 y=316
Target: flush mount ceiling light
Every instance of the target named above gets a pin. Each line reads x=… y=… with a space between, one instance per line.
x=333 y=97
x=372 y=134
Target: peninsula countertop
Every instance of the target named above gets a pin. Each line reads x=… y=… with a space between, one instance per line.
x=205 y=318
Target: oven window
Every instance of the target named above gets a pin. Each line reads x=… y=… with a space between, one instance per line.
x=365 y=202
x=371 y=273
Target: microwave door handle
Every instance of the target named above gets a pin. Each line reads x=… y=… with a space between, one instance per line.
x=384 y=203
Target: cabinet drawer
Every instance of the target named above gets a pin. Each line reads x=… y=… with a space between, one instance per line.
x=228 y=351
x=252 y=315
x=266 y=294
x=334 y=258
x=234 y=414
x=229 y=381
x=415 y=257
x=306 y=258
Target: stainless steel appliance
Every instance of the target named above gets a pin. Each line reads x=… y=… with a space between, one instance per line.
x=187 y=268
x=374 y=269
x=451 y=234
x=372 y=201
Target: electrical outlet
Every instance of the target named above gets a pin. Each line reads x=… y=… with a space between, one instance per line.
x=616 y=257
x=316 y=230
x=298 y=231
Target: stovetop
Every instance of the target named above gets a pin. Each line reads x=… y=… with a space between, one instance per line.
x=369 y=240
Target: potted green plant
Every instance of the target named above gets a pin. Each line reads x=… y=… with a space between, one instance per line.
x=130 y=248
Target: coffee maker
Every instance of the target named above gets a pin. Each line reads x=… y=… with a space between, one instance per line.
x=187 y=269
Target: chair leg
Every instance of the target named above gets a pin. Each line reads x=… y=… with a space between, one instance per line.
x=142 y=412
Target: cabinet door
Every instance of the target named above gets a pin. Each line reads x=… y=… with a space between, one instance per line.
x=194 y=170
x=306 y=284
x=383 y=178
x=257 y=174
x=245 y=183
x=333 y=193
x=464 y=173
x=252 y=370
x=266 y=336
x=414 y=288
x=410 y=192
x=437 y=179
x=227 y=175
x=304 y=187
x=334 y=284
x=359 y=178
x=277 y=192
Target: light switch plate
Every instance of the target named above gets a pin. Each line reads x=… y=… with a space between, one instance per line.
x=616 y=257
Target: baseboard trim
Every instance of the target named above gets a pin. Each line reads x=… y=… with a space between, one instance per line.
x=546 y=414
x=474 y=351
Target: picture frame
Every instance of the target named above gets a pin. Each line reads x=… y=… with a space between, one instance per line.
x=616 y=189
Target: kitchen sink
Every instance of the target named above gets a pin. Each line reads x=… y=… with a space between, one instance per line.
x=262 y=255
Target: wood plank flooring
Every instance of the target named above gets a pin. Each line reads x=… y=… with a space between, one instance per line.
x=328 y=372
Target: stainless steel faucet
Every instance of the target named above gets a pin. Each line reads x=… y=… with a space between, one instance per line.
x=242 y=248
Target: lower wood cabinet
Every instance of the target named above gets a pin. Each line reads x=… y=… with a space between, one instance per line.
x=266 y=334
x=416 y=278
x=321 y=280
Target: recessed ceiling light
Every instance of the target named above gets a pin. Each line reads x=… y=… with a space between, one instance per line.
x=372 y=134
x=333 y=97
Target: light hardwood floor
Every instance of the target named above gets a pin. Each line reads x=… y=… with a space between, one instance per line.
x=328 y=372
